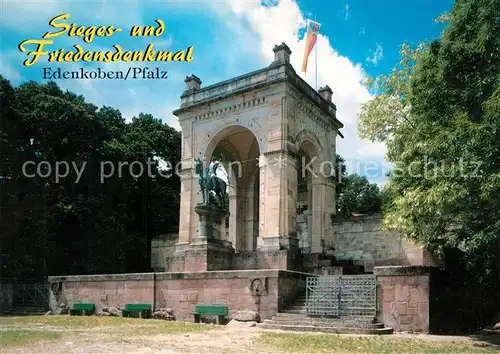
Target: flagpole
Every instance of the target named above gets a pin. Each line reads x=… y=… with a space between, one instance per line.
x=316 y=57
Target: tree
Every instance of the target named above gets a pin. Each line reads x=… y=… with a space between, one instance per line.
x=438 y=113
x=358 y=195
x=354 y=193
x=87 y=225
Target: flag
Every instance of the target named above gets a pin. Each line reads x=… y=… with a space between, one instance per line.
x=312 y=34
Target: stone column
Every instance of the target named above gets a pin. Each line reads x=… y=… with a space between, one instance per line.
x=232 y=220
x=309 y=212
x=250 y=213
x=186 y=220
x=329 y=210
x=317 y=211
x=289 y=198
x=321 y=206
x=278 y=202
x=241 y=201
x=269 y=203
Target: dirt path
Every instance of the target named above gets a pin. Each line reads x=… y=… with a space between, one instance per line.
x=237 y=339
x=228 y=340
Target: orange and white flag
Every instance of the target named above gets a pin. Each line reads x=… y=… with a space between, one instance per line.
x=311 y=36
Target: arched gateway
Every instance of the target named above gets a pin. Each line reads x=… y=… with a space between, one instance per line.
x=275 y=135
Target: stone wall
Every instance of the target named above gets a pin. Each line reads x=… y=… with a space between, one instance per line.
x=182 y=291
x=404 y=297
x=6 y=296
x=162 y=247
x=199 y=260
x=361 y=239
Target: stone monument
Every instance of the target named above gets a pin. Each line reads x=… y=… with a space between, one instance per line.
x=270 y=124
x=213 y=208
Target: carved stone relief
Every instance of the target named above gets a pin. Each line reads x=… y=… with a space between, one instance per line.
x=258 y=286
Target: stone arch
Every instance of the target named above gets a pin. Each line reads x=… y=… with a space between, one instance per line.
x=308 y=147
x=305 y=136
x=242 y=152
x=212 y=139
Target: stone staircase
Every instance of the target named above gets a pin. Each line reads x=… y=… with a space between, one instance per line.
x=294 y=319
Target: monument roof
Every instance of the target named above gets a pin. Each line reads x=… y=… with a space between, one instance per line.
x=277 y=72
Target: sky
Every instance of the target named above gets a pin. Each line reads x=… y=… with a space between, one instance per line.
x=358 y=38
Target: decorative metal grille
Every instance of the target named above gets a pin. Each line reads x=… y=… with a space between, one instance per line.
x=342 y=296
x=31 y=294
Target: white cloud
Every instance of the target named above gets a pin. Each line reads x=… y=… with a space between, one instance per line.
x=346 y=11
x=376 y=55
x=281 y=23
x=252 y=29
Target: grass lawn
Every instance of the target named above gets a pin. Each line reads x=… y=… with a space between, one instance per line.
x=313 y=343
x=123 y=325
x=128 y=335
x=17 y=338
x=32 y=330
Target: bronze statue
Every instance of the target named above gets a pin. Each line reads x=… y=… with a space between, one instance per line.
x=213 y=188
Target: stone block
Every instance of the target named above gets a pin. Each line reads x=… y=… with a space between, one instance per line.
x=417 y=295
x=193 y=297
x=398 y=308
x=402 y=292
x=388 y=294
x=411 y=311
x=408 y=321
x=423 y=308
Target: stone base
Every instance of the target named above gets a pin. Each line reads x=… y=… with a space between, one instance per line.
x=180 y=248
x=216 y=255
x=278 y=243
x=203 y=260
x=181 y=291
x=211 y=219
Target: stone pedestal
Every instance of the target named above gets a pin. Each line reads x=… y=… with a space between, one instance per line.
x=208 y=250
x=211 y=219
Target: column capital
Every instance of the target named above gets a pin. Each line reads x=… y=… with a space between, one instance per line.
x=320 y=180
x=186 y=173
x=279 y=152
x=282 y=158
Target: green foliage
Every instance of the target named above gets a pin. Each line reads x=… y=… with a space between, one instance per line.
x=354 y=193
x=357 y=195
x=93 y=226
x=439 y=114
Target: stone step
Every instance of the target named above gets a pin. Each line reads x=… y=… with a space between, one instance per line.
x=297 y=307
x=324 y=329
x=361 y=301
x=298 y=316
x=322 y=323
x=302 y=311
x=298 y=312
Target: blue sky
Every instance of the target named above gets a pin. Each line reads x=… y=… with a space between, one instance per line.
x=358 y=38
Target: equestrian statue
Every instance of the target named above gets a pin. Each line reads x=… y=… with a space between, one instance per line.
x=213 y=188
